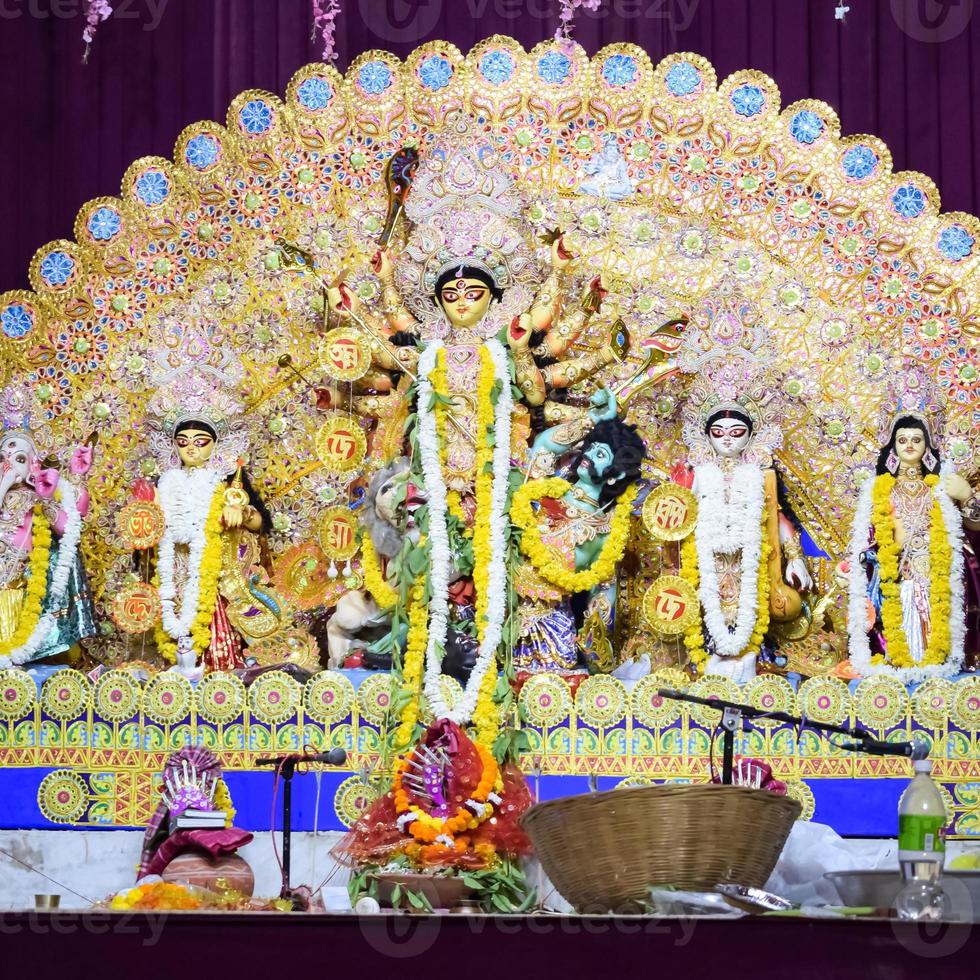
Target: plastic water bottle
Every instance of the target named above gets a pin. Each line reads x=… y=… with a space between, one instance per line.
x=921 y=846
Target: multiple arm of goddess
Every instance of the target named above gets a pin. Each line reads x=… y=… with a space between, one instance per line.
x=555 y=329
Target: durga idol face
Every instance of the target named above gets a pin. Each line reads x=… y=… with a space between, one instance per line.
x=729 y=437
x=465 y=301
x=194 y=444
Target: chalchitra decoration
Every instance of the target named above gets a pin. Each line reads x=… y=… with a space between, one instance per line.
x=482 y=367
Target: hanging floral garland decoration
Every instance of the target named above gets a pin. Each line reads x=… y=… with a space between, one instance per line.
x=325 y=14
x=96 y=11
x=567 y=14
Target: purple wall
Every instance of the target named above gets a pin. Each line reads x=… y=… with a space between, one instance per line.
x=905 y=70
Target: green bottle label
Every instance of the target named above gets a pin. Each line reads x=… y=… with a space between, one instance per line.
x=921 y=833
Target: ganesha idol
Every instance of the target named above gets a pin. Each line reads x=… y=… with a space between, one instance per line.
x=45 y=606
x=212 y=589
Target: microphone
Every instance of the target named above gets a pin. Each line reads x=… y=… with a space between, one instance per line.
x=916 y=749
x=334 y=757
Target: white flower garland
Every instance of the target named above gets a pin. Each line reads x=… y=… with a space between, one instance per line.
x=727 y=527
x=440 y=559
x=185 y=498
x=859 y=647
x=67 y=549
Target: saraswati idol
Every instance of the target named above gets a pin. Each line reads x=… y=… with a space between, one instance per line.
x=913 y=571
x=209 y=568
x=45 y=605
x=743 y=560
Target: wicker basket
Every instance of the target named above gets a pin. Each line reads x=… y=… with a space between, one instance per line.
x=604 y=850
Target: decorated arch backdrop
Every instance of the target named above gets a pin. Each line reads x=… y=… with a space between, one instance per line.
x=71 y=129
x=849 y=263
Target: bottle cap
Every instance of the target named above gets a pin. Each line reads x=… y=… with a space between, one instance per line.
x=923 y=765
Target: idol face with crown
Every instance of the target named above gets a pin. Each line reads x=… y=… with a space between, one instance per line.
x=913 y=573
x=45 y=606
x=214 y=592
x=744 y=559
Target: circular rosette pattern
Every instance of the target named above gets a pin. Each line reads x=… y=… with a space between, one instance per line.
x=374 y=698
x=966 y=704
x=63 y=796
x=601 y=701
x=881 y=702
x=352 y=798
x=545 y=700
x=220 y=698
x=328 y=697
x=931 y=702
x=274 y=697
x=168 y=698
x=117 y=696
x=17 y=694
x=798 y=790
x=824 y=699
x=66 y=695
x=649 y=707
x=711 y=687
x=770 y=693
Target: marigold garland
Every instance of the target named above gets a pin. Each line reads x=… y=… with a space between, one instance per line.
x=33 y=607
x=210 y=573
x=486 y=715
x=889 y=554
x=432 y=830
x=383 y=594
x=413 y=662
x=694 y=635
x=549 y=565
x=439 y=379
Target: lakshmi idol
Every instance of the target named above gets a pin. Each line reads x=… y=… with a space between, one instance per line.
x=913 y=571
x=45 y=606
x=213 y=588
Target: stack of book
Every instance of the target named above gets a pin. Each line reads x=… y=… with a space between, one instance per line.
x=192 y=819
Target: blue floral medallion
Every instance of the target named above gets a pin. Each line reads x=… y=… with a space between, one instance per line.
x=255 y=117
x=747 y=100
x=682 y=78
x=374 y=77
x=619 y=69
x=435 y=73
x=314 y=94
x=201 y=151
x=908 y=201
x=152 y=188
x=806 y=127
x=497 y=66
x=57 y=268
x=104 y=224
x=554 y=67
x=955 y=243
x=16 y=321
x=859 y=162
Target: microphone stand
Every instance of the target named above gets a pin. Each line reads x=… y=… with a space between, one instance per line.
x=285 y=770
x=735 y=716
